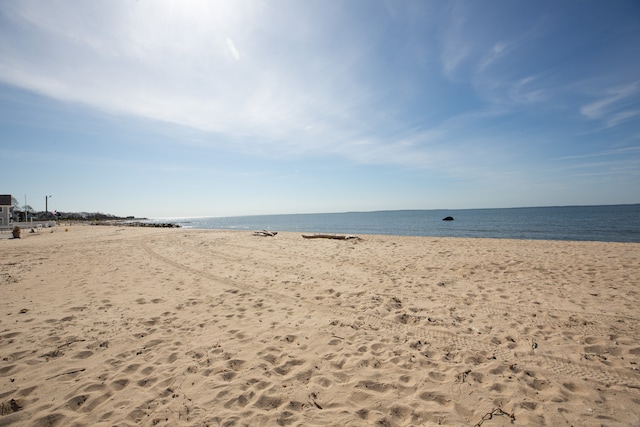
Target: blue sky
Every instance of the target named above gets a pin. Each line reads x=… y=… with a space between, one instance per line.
x=215 y=108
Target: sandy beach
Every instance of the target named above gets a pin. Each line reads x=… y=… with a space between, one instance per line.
x=109 y=325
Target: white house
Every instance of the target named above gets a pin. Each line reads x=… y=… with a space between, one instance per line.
x=5 y=210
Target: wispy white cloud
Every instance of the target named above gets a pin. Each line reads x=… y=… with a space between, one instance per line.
x=288 y=78
x=614 y=167
x=257 y=79
x=498 y=50
x=180 y=63
x=456 y=46
x=615 y=152
x=496 y=64
x=621 y=117
x=621 y=163
x=613 y=106
x=233 y=49
x=527 y=91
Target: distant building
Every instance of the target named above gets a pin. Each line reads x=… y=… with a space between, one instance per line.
x=5 y=210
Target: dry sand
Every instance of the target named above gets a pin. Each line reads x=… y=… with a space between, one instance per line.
x=136 y=326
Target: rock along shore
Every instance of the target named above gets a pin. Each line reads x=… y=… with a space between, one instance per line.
x=138 y=224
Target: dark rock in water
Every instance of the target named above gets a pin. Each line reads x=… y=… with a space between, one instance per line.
x=448 y=218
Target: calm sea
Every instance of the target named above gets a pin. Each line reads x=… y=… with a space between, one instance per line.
x=611 y=223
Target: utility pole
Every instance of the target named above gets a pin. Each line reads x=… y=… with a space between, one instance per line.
x=46 y=207
x=26 y=213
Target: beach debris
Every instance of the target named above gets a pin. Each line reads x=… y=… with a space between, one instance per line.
x=9 y=407
x=330 y=236
x=462 y=376
x=495 y=412
x=265 y=233
x=52 y=354
x=313 y=396
x=75 y=371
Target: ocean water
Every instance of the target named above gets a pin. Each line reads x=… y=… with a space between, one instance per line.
x=610 y=223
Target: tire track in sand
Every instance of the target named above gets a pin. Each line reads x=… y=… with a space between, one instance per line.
x=579 y=322
x=446 y=339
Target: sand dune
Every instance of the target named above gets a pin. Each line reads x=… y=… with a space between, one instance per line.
x=126 y=326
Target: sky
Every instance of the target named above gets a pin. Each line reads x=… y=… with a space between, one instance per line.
x=158 y=108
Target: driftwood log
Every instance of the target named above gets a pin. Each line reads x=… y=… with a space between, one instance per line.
x=330 y=236
x=265 y=233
